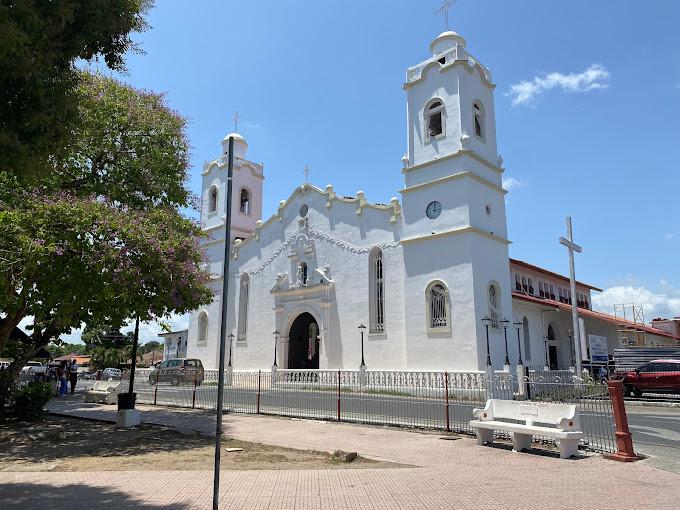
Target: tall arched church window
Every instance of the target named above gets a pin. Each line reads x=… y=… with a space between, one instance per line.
x=434 y=118
x=243 y=307
x=494 y=305
x=244 y=205
x=438 y=307
x=376 y=291
x=202 y=337
x=212 y=199
x=527 y=339
x=478 y=120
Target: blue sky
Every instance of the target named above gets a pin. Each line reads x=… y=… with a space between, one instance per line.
x=595 y=134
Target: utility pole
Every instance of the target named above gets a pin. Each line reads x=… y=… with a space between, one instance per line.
x=572 y=247
x=223 y=329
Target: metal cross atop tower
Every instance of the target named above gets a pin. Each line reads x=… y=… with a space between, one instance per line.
x=444 y=9
x=236 y=118
x=573 y=247
x=307 y=169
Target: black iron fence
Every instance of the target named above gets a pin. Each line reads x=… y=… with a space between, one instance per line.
x=435 y=400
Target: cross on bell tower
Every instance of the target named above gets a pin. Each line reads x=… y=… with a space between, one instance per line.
x=235 y=118
x=444 y=10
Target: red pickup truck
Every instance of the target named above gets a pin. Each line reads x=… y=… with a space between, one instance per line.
x=658 y=376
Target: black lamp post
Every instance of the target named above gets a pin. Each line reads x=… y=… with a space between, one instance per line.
x=486 y=320
x=276 y=341
x=571 y=346
x=231 y=341
x=505 y=322
x=518 y=326
x=362 y=328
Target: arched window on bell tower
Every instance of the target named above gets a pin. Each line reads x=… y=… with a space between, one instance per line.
x=434 y=115
x=478 y=120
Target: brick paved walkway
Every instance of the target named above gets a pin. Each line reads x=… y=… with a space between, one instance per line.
x=448 y=474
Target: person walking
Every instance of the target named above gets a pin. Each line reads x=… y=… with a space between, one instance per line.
x=61 y=376
x=73 y=374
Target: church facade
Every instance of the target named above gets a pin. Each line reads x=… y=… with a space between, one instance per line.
x=420 y=273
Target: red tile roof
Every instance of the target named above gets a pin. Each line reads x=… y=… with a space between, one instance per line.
x=594 y=315
x=550 y=273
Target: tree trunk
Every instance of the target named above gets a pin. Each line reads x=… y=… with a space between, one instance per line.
x=9 y=378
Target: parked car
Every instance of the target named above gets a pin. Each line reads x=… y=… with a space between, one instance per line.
x=658 y=376
x=178 y=371
x=112 y=374
x=34 y=371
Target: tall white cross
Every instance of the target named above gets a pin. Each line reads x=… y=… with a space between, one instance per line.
x=573 y=247
x=235 y=118
x=307 y=169
x=444 y=9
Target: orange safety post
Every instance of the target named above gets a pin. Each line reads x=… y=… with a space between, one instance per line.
x=624 y=439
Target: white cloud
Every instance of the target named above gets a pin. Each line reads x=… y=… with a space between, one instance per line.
x=527 y=92
x=669 y=236
x=510 y=183
x=662 y=304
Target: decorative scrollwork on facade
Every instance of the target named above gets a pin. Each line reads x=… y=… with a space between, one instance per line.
x=357 y=250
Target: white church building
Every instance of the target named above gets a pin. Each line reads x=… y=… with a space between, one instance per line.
x=419 y=273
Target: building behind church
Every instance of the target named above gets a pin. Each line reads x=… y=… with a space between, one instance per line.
x=420 y=273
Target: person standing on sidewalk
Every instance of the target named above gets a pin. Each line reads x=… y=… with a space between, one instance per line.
x=73 y=375
x=61 y=376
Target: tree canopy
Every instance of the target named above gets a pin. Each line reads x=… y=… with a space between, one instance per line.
x=100 y=239
x=40 y=42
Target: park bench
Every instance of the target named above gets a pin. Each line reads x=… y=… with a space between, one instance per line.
x=524 y=419
x=104 y=391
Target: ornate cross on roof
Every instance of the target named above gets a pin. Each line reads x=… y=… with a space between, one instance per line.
x=307 y=169
x=444 y=9
x=236 y=118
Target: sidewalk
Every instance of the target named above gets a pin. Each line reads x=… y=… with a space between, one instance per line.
x=443 y=474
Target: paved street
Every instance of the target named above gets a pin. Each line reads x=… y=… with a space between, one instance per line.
x=656 y=432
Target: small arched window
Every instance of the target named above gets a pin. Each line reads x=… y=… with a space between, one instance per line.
x=438 y=305
x=243 y=307
x=212 y=199
x=527 y=339
x=478 y=120
x=244 y=204
x=434 y=118
x=494 y=305
x=202 y=337
x=551 y=332
x=302 y=273
x=376 y=291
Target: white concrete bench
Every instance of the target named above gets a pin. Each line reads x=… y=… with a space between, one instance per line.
x=557 y=421
x=104 y=391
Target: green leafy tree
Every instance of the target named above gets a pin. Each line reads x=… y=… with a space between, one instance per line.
x=101 y=239
x=40 y=41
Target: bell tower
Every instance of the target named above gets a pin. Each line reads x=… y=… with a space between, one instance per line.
x=453 y=201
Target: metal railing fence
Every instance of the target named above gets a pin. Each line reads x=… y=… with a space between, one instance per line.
x=436 y=400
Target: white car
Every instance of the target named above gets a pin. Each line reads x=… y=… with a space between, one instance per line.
x=34 y=370
x=114 y=374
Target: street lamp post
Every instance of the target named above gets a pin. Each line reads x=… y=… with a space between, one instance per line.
x=362 y=328
x=570 y=335
x=276 y=341
x=518 y=326
x=486 y=320
x=505 y=322
x=231 y=341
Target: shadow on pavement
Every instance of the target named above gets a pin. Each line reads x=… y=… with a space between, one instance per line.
x=71 y=497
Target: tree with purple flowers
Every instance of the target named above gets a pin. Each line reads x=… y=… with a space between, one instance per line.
x=101 y=239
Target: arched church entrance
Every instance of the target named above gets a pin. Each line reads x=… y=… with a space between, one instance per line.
x=303 y=343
